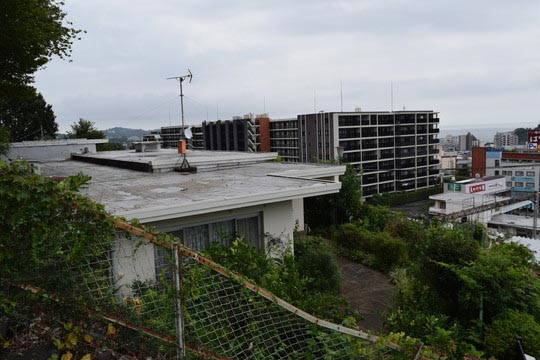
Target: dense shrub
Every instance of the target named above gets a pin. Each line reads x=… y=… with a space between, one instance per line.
x=317 y=262
x=501 y=335
x=380 y=249
x=309 y=282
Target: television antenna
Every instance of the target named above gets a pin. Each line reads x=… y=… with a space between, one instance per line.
x=185 y=133
x=181 y=79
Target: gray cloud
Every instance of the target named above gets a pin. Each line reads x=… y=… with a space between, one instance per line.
x=456 y=57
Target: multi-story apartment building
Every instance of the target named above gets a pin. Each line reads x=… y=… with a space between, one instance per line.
x=392 y=151
x=505 y=139
x=284 y=138
x=250 y=133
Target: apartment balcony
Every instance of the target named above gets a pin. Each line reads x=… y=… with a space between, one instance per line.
x=405 y=185
x=433 y=150
x=384 y=188
x=386 y=165
x=387 y=154
x=434 y=141
x=369 y=156
x=369 y=144
x=386 y=120
x=370 y=167
x=370 y=132
x=386 y=177
x=408 y=141
x=385 y=133
x=404 y=175
x=349 y=133
x=369 y=190
x=434 y=130
x=369 y=179
x=349 y=121
x=352 y=157
x=405 y=130
x=386 y=143
x=433 y=171
x=434 y=181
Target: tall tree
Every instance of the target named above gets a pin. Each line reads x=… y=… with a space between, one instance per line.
x=31 y=33
x=4 y=141
x=85 y=129
x=350 y=196
x=27 y=116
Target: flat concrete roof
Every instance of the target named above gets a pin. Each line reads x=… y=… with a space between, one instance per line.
x=512 y=220
x=230 y=180
x=166 y=160
x=63 y=142
x=459 y=196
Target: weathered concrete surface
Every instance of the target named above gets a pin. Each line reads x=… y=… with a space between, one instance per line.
x=368 y=291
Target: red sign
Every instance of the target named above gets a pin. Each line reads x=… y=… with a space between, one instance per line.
x=477 y=188
x=533 y=136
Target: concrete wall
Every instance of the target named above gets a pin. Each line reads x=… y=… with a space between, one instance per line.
x=53 y=149
x=132 y=261
x=279 y=223
x=298 y=213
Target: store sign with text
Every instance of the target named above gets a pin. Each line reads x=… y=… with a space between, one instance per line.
x=477 y=188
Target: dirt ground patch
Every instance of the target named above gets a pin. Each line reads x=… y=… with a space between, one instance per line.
x=368 y=291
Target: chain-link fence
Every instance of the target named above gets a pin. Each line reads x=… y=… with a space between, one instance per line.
x=179 y=303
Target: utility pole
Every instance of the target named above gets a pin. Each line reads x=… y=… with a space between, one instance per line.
x=535 y=216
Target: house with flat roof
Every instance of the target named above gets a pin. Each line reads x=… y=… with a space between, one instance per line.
x=236 y=193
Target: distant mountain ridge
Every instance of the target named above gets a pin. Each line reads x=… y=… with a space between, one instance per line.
x=122 y=132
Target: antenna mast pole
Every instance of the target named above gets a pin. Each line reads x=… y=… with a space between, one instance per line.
x=181 y=79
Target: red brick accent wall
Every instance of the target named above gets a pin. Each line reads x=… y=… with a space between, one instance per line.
x=478 y=165
x=264 y=131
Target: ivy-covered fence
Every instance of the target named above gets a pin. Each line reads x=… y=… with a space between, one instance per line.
x=170 y=299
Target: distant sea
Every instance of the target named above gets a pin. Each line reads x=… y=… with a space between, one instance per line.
x=484 y=133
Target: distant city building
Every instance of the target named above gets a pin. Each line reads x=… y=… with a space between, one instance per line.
x=250 y=133
x=478 y=199
x=450 y=143
x=284 y=138
x=505 y=139
x=521 y=169
x=467 y=142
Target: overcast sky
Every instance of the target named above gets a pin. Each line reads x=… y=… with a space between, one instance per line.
x=476 y=62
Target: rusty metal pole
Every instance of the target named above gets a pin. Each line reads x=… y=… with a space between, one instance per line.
x=177 y=254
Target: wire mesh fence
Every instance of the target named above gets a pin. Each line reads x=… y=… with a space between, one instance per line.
x=180 y=304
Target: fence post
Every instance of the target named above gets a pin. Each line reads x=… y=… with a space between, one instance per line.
x=177 y=254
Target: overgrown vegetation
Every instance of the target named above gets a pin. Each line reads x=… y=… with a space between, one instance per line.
x=445 y=276
x=310 y=279
x=404 y=197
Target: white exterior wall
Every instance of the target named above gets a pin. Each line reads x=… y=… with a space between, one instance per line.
x=52 y=149
x=132 y=262
x=298 y=213
x=278 y=221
